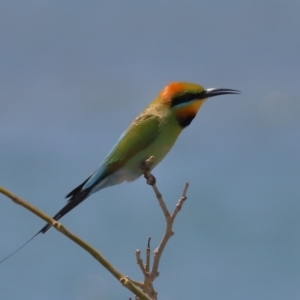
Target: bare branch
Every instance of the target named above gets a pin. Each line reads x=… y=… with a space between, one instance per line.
x=150 y=179
x=147 y=265
x=181 y=201
x=96 y=254
x=168 y=233
x=139 y=261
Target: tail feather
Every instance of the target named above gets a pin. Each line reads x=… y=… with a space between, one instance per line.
x=77 y=190
x=76 y=196
x=17 y=250
x=72 y=202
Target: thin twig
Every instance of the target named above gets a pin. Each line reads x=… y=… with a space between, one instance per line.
x=96 y=254
x=148 y=280
x=161 y=201
x=139 y=261
x=147 y=265
x=168 y=233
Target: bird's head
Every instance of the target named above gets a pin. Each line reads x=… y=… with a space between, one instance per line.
x=184 y=99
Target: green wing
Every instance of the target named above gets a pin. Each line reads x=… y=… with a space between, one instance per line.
x=138 y=136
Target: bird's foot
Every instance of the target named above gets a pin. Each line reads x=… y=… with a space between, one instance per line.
x=145 y=167
x=150 y=179
x=146 y=164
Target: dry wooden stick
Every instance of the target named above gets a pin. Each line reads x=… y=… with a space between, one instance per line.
x=124 y=280
x=150 y=276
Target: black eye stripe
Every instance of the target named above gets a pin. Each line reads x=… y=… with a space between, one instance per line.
x=186 y=97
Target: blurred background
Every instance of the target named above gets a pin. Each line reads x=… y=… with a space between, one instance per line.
x=73 y=75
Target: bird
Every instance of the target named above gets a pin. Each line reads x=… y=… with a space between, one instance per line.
x=151 y=134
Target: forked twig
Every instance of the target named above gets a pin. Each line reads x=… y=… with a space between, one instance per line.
x=168 y=232
x=150 y=276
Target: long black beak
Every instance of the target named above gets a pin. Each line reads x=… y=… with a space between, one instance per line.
x=219 y=91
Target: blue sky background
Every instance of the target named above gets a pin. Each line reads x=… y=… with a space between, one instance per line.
x=73 y=75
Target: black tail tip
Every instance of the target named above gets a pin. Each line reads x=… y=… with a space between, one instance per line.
x=45 y=228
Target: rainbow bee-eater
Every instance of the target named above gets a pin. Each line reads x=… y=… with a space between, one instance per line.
x=152 y=133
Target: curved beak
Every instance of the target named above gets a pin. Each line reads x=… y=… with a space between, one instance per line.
x=219 y=91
